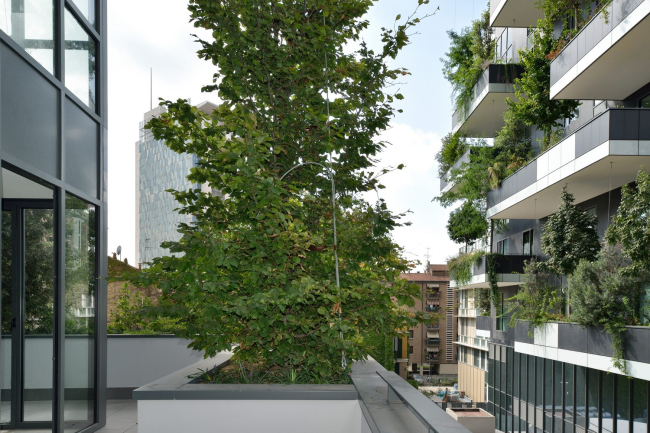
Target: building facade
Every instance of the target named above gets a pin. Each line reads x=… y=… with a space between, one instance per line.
x=159 y=169
x=560 y=378
x=53 y=132
x=430 y=347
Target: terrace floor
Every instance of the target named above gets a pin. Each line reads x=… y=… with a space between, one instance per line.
x=121 y=417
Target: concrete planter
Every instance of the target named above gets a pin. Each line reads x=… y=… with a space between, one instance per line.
x=174 y=404
x=590 y=347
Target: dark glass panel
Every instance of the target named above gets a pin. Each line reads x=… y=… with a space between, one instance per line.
x=580 y=396
x=607 y=410
x=568 y=394
x=539 y=382
x=622 y=404
x=593 y=379
x=531 y=379
x=516 y=369
x=640 y=406
x=558 y=385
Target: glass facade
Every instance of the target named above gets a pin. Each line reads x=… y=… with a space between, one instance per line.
x=158 y=169
x=573 y=398
x=53 y=303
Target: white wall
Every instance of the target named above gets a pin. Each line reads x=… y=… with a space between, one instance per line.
x=250 y=416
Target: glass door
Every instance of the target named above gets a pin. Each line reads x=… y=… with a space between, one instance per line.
x=28 y=314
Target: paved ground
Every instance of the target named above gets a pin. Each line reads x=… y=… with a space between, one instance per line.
x=121 y=417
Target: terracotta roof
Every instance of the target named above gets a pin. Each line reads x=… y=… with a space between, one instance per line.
x=423 y=276
x=438 y=267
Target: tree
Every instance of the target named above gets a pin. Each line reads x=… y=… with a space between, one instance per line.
x=569 y=235
x=538 y=300
x=630 y=227
x=257 y=268
x=466 y=224
x=534 y=105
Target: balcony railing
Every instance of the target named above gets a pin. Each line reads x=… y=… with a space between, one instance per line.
x=467 y=312
x=433 y=295
x=432 y=308
x=445 y=181
x=594 y=65
x=620 y=136
x=433 y=342
x=477 y=342
x=434 y=326
x=482 y=115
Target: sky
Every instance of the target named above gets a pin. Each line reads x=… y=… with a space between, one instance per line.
x=155 y=35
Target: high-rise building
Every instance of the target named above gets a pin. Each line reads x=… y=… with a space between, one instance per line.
x=431 y=347
x=159 y=169
x=53 y=132
x=558 y=378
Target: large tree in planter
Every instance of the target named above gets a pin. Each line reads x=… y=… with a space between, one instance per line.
x=257 y=268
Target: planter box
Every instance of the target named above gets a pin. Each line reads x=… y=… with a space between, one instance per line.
x=173 y=404
x=589 y=347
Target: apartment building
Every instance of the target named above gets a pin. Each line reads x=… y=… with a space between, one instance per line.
x=430 y=347
x=53 y=153
x=559 y=378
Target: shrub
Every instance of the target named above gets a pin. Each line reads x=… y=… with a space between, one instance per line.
x=604 y=294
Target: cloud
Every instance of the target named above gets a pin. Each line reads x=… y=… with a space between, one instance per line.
x=413 y=189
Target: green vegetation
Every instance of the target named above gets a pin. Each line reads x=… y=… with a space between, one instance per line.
x=538 y=301
x=470 y=52
x=380 y=347
x=630 y=227
x=137 y=314
x=604 y=293
x=466 y=224
x=257 y=268
x=453 y=147
x=569 y=236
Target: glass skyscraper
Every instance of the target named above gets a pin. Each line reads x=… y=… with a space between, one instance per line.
x=159 y=169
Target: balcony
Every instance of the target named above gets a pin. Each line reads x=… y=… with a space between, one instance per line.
x=467 y=312
x=514 y=13
x=475 y=342
x=510 y=270
x=607 y=60
x=432 y=308
x=434 y=326
x=617 y=141
x=446 y=184
x=483 y=117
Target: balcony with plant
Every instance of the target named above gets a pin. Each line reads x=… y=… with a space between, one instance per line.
x=587 y=61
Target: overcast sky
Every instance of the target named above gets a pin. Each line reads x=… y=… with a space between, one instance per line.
x=146 y=34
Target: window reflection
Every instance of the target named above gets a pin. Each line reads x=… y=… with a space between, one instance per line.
x=80 y=61
x=30 y=23
x=80 y=295
x=87 y=8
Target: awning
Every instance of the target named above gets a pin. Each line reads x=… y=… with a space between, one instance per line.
x=434 y=302
x=433 y=349
x=433 y=334
x=432 y=286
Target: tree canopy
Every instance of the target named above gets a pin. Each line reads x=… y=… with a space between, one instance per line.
x=569 y=235
x=257 y=269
